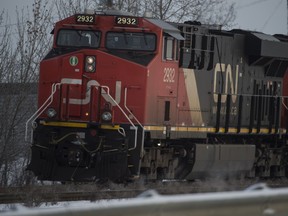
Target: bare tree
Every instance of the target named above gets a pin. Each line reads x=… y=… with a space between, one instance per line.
x=66 y=8
x=132 y=6
x=209 y=11
x=219 y=12
x=33 y=40
x=5 y=46
x=21 y=50
x=5 y=64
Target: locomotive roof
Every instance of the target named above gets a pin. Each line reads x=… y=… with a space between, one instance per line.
x=261 y=44
x=257 y=43
x=167 y=28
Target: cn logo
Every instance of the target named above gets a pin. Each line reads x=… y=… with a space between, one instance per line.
x=73 y=60
x=225 y=83
x=86 y=100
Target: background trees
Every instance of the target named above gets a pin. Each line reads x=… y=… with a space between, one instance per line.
x=24 y=43
x=218 y=12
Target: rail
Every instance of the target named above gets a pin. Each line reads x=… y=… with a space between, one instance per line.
x=258 y=200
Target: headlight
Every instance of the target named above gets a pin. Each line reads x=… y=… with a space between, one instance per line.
x=106 y=116
x=90 y=60
x=51 y=113
x=90 y=64
x=90 y=68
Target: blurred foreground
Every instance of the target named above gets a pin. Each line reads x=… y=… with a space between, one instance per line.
x=255 y=200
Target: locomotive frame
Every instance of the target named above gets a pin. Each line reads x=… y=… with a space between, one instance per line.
x=123 y=96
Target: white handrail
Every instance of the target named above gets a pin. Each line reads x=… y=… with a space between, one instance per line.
x=125 y=105
x=50 y=100
x=126 y=116
x=40 y=111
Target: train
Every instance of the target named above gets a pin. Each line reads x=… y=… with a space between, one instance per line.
x=123 y=97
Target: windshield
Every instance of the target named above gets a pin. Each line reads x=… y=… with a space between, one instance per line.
x=131 y=41
x=78 y=38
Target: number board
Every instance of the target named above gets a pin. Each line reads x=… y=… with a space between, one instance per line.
x=84 y=18
x=122 y=20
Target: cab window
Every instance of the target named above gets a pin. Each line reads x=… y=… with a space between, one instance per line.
x=170 y=48
x=78 y=38
x=132 y=41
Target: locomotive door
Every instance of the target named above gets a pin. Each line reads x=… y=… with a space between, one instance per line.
x=166 y=112
x=70 y=100
x=73 y=92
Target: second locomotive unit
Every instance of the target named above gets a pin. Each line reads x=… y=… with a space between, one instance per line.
x=122 y=97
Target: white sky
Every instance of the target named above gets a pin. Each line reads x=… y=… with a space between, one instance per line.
x=268 y=16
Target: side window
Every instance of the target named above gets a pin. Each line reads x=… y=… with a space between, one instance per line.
x=170 y=48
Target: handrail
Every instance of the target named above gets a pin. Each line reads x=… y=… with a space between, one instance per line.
x=50 y=100
x=40 y=111
x=125 y=105
x=126 y=116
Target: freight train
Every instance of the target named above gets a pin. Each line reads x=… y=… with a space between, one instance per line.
x=122 y=97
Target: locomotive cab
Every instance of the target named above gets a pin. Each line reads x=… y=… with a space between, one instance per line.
x=93 y=95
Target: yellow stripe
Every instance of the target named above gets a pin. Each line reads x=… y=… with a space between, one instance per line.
x=110 y=127
x=221 y=130
x=232 y=130
x=162 y=128
x=254 y=130
x=181 y=128
x=65 y=124
x=212 y=129
x=244 y=130
x=264 y=130
x=77 y=125
x=200 y=129
x=154 y=128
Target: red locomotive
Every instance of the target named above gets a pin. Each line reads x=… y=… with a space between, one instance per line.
x=123 y=96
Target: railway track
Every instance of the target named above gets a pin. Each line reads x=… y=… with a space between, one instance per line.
x=39 y=196
x=34 y=195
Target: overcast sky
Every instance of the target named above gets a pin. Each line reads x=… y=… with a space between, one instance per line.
x=269 y=16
